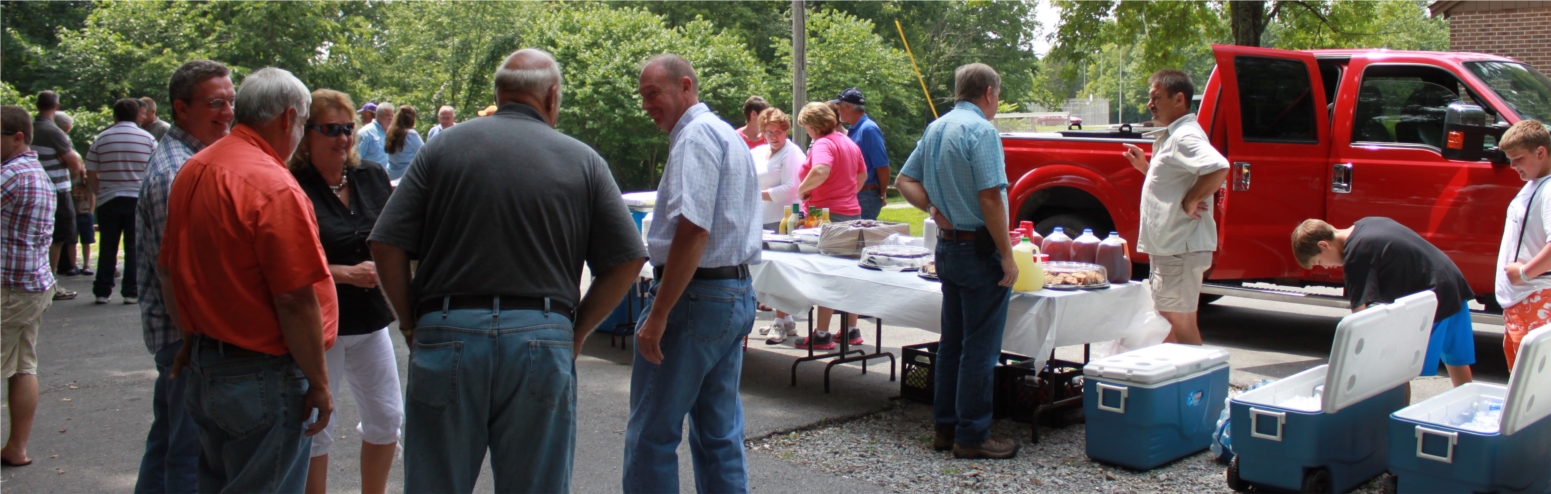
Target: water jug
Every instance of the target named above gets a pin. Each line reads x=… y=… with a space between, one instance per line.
x=1057 y=245
x=929 y=234
x=1085 y=247
x=1031 y=275
x=1113 y=255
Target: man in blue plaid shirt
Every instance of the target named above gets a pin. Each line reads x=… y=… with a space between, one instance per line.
x=201 y=93
x=26 y=281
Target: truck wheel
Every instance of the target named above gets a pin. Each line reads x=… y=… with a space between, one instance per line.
x=1317 y=481
x=1209 y=298
x=1234 y=482
x=1074 y=224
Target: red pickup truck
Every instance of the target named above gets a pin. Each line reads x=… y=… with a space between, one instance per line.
x=1331 y=134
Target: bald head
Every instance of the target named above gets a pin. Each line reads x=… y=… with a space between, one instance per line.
x=668 y=88
x=532 y=77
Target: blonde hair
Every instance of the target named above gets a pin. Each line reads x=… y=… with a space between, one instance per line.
x=325 y=100
x=1306 y=238
x=774 y=116
x=818 y=116
x=1525 y=136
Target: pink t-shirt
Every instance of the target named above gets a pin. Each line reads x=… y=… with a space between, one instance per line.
x=838 y=193
x=752 y=143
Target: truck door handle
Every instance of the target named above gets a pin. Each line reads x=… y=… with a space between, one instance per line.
x=1241 y=184
x=1341 y=178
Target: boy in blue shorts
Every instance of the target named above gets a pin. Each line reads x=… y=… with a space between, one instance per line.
x=1385 y=261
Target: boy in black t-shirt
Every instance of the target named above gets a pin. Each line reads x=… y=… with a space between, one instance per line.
x=1385 y=261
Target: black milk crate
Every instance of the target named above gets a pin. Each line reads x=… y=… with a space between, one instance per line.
x=919 y=376
x=1021 y=392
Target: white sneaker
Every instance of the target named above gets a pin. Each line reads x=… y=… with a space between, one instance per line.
x=779 y=330
x=102 y=300
x=131 y=300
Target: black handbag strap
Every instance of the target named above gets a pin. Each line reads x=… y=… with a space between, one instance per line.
x=1528 y=206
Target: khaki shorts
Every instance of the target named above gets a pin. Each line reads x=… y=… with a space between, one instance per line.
x=1176 y=281
x=22 y=315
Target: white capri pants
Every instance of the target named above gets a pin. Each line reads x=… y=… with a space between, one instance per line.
x=367 y=362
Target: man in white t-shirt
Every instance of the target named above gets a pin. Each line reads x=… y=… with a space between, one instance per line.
x=1525 y=254
x=115 y=165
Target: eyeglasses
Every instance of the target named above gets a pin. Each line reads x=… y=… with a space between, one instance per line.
x=773 y=132
x=333 y=130
x=219 y=103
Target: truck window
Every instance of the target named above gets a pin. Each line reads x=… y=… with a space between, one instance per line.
x=1525 y=89
x=1276 y=100
x=1401 y=110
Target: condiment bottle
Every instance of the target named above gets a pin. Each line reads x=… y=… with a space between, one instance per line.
x=1057 y=245
x=1112 y=254
x=1085 y=247
x=1031 y=275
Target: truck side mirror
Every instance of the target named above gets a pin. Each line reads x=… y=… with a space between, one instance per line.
x=1465 y=130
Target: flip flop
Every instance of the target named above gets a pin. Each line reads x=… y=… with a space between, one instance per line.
x=9 y=463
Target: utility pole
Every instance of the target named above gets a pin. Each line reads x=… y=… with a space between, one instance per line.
x=799 y=65
x=1120 y=85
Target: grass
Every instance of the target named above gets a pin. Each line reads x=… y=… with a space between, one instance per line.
x=903 y=214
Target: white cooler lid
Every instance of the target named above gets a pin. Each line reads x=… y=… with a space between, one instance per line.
x=1529 y=388
x=1378 y=349
x=645 y=199
x=1156 y=363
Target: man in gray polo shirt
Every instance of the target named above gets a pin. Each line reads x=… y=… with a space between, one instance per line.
x=501 y=212
x=59 y=159
x=1177 y=231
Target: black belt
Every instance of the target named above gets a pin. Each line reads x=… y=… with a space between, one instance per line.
x=957 y=235
x=738 y=272
x=870 y=187
x=226 y=349
x=508 y=302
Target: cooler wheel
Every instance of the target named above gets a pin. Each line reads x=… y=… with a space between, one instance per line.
x=1389 y=484
x=1234 y=482
x=1317 y=481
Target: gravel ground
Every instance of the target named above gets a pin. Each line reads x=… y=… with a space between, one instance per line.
x=893 y=449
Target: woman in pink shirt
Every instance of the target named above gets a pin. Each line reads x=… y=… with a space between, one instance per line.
x=834 y=169
x=831 y=177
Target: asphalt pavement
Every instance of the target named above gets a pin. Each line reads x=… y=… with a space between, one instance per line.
x=96 y=378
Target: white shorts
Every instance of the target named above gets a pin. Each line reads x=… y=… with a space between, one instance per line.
x=1176 y=281
x=367 y=362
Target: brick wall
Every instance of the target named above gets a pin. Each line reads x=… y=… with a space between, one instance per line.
x=1523 y=33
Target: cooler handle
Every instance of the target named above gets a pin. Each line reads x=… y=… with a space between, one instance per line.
x=1103 y=387
x=1447 y=457
x=1254 y=422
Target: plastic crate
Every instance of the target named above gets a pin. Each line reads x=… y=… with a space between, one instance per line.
x=919 y=375
x=1021 y=390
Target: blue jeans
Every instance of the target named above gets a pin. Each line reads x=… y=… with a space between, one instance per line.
x=974 y=313
x=699 y=375
x=489 y=379
x=117 y=218
x=171 y=460
x=871 y=203
x=251 y=420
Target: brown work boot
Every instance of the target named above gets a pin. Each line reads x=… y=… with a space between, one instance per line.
x=943 y=439
x=994 y=448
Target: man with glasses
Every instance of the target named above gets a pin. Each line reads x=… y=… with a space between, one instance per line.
x=201 y=93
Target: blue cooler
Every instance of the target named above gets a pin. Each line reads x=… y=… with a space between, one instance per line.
x=1155 y=405
x=1430 y=450
x=1324 y=429
x=639 y=204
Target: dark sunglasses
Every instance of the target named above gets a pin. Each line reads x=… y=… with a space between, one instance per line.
x=333 y=130
x=10 y=132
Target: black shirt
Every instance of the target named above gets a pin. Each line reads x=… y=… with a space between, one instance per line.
x=343 y=232
x=1385 y=261
x=507 y=205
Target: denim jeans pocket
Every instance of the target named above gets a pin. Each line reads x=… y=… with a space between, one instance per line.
x=550 y=378
x=433 y=372
x=708 y=314
x=963 y=267
x=238 y=404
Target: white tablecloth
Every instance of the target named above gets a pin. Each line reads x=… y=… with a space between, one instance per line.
x=1037 y=322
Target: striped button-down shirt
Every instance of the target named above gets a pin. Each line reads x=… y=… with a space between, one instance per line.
x=710 y=181
x=958 y=156
x=28 y=211
x=119 y=157
x=151 y=220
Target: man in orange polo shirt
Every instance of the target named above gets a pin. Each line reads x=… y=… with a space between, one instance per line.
x=252 y=294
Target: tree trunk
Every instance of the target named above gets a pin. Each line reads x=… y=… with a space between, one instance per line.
x=1248 y=20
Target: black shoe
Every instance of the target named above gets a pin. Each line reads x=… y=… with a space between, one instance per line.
x=69 y=272
x=87 y=272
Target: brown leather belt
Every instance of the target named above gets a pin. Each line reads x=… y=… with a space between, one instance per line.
x=957 y=235
x=738 y=272
x=869 y=187
x=508 y=302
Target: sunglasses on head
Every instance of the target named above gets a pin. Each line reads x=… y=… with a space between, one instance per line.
x=10 y=132
x=333 y=130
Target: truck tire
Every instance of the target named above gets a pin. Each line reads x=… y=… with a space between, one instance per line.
x=1074 y=223
x=1209 y=298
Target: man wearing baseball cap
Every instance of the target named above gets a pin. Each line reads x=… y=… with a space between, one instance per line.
x=367 y=111
x=866 y=135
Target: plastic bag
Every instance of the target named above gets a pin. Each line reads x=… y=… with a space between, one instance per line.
x=1222 y=437
x=1152 y=331
x=897 y=239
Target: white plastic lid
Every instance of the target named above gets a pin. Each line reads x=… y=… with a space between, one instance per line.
x=640 y=199
x=1378 y=349
x=1529 y=387
x=1156 y=363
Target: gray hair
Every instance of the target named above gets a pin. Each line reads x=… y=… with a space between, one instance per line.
x=383 y=110
x=446 y=109
x=532 y=82
x=267 y=93
x=854 y=106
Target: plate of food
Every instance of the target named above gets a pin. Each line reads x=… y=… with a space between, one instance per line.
x=1075 y=276
x=929 y=272
x=895 y=257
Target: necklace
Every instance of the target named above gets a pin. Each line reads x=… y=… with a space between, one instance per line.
x=344 y=179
